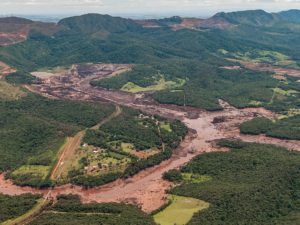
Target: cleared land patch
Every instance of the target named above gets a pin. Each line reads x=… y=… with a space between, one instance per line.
x=5 y=69
x=180 y=211
x=195 y=178
x=10 y=92
x=74 y=156
x=255 y=103
x=166 y=126
x=32 y=170
x=244 y=182
x=127 y=147
x=50 y=72
x=285 y=92
x=161 y=84
x=67 y=152
x=96 y=161
x=263 y=56
x=123 y=146
x=33 y=129
x=141 y=78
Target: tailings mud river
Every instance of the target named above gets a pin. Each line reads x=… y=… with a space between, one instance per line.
x=147 y=189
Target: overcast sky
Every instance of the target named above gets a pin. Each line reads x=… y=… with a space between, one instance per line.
x=201 y=8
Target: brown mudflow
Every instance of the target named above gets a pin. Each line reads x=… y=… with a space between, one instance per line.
x=147 y=188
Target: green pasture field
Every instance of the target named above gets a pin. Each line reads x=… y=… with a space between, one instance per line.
x=180 y=211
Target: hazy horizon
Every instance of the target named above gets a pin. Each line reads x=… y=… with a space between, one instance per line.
x=57 y=17
x=139 y=8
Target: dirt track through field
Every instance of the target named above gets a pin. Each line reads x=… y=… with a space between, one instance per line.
x=73 y=143
x=147 y=189
x=69 y=148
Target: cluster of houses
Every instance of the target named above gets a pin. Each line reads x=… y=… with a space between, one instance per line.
x=99 y=166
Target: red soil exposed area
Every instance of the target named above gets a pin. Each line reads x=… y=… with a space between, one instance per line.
x=14 y=30
x=263 y=67
x=194 y=23
x=189 y=23
x=11 y=38
x=148 y=189
x=147 y=23
x=68 y=150
x=5 y=69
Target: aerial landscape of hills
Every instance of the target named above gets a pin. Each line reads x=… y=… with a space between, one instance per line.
x=110 y=120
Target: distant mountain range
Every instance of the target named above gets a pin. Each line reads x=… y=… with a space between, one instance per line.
x=190 y=49
x=15 y=29
x=224 y=20
x=96 y=37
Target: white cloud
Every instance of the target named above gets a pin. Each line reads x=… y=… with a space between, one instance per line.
x=19 y=3
x=140 y=6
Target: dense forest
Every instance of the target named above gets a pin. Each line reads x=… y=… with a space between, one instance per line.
x=14 y=206
x=195 y=56
x=69 y=210
x=252 y=184
x=286 y=128
x=33 y=129
x=204 y=85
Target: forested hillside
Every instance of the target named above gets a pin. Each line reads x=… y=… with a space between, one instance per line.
x=176 y=63
x=33 y=130
x=252 y=184
x=247 y=59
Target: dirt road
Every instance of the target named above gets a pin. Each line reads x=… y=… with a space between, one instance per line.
x=69 y=148
x=72 y=144
x=147 y=188
x=116 y=113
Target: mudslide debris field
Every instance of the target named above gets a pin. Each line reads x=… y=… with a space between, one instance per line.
x=146 y=189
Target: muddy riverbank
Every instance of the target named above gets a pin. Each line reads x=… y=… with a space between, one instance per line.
x=148 y=189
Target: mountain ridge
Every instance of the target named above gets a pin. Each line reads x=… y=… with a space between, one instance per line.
x=92 y=22
x=292 y=15
x=223 y=20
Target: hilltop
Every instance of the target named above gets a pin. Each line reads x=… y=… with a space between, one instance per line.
x=14 y=29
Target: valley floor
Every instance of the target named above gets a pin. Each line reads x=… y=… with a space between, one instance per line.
x=148 y=189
